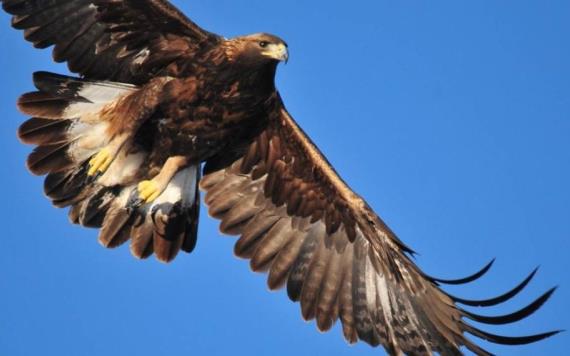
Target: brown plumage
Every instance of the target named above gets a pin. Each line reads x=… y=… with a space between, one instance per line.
x=122 y=146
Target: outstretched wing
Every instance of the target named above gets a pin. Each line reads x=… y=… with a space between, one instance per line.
x=122 y=40
x=302 y=224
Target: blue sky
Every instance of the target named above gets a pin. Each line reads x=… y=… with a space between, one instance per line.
x=451 y=118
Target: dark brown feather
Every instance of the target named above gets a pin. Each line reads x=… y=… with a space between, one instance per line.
x=142 y=239
x=50 y=158
x=63 y=186
x=328 y=299
x=106 y=42
x=254 y=232
x=116 y=228
x=271 y=244
x=335 y=255
x=37 y=131
x=312 y=285
x=169 y=232
x=41 y=104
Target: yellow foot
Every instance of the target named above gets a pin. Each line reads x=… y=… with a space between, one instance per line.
x=148 y=191
x=100 y=162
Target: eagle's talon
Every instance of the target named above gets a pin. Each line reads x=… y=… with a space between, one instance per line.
x=148 y=191
x=145 y=193
x=134 y=201
x=93 y=178
x=134 y=204
x=99 y=164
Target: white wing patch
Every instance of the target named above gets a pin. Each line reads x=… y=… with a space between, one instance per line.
x=98 y=95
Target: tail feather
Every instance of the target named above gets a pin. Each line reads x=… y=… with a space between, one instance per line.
x=117 y=226
x=64 y=186
x=95 y=208
x=169 y=234
x=193 y=216
x=164 y=227
x=142 y=244
x=172 y=218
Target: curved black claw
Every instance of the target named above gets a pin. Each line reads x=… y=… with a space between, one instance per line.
x=465 y=280
x=134 y=202
x=497 y=300
x=93 y=178
x=513 y=317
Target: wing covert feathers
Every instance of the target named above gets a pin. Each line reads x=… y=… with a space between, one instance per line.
x=300 y=223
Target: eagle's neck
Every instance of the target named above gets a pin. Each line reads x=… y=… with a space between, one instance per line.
x=252 y=80
x=259 y=80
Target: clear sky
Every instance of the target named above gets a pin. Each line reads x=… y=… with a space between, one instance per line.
x=452 y=118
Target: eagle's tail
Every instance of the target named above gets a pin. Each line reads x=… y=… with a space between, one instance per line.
x=69 y=126
x=164 y=227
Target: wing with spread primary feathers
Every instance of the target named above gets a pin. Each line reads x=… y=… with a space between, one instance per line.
x=298 y=221
x=122 y=40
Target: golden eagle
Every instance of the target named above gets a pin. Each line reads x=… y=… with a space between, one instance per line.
x=158 y=97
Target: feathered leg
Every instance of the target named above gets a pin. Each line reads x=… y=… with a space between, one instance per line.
x=147 y=191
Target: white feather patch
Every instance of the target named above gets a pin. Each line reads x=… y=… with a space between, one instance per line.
x=181 y=187
x=103 y=92
x=98 y=95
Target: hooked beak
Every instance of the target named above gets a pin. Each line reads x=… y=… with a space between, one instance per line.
x=278 y=52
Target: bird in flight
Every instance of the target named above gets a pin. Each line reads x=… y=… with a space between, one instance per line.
x=163 y=109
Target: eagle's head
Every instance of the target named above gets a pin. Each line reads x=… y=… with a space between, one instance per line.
x=258 y=49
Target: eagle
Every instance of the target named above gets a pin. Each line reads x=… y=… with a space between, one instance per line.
x=162 y=110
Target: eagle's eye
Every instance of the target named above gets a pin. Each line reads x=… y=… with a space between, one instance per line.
x=263 y=44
